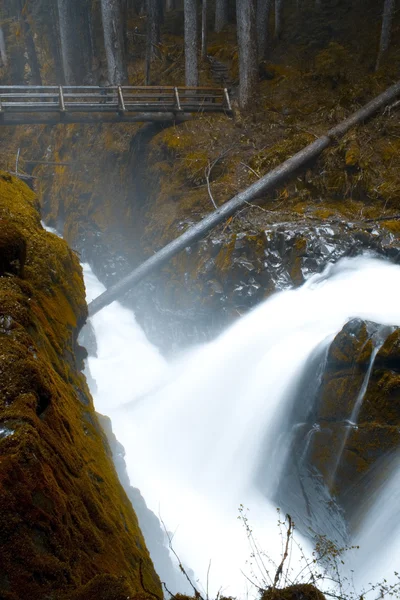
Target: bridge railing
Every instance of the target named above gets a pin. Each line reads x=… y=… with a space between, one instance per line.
x=121 y=99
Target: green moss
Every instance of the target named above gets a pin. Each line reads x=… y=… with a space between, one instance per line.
x=304 y=591
x=64 y=525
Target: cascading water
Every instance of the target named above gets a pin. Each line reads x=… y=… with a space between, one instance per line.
x=195 y=431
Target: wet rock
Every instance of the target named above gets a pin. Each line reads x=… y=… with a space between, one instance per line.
x=350 y=427
x=244 y=268
x=12 y=249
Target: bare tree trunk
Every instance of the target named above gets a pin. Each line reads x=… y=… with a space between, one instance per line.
x=263 y=11
x=3 y=51
x=75 y=41
x=161 y=11
x=11 y=16
x=191 y=67
x=113 y=27
x=139 y=6
x=268 y=182
x=204 y=30
x=33 y=60
x=278 y=18
x=153 y=35
x=388 y=12
x=170 y=5
x=221 y=14
x=247 y=40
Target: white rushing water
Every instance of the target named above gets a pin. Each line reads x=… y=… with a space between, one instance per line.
x=193 y=430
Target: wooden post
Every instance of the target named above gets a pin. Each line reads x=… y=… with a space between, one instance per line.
x=204 y=30
x=177 y=100
x=227 y=100
x=121 y=102
x=61 y=100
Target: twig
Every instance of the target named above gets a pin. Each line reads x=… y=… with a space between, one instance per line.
x=389 y=108
x=168 y=591
x=286 y=553
x=257 y=206
x=208 y=576
x=143 y=584
x=252 y=170
x=260 y=589
x=46 y=162
x=209 y=168
x=17 y=161
x=207 y=173
x=22 y=175
x=181 y=567
x=388 y=218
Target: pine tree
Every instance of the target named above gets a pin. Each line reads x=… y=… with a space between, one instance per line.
x=75 y=41
x=113 y=28
x=388 y=12
x=154 y=17
x=191 y=66
x=247 y=40
x=221 y=14
x=263 y=11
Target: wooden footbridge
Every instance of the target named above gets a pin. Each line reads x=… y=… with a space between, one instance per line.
x=94 y=104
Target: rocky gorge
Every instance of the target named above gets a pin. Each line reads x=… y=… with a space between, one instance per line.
x=117 y=195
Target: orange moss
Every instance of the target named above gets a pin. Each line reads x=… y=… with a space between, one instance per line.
x=63 y=516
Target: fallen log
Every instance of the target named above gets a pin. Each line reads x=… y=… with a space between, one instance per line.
x=270 y=181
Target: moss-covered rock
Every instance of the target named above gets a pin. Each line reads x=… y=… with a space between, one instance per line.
x=350 y=428
x=64 y=518
x=303 y=591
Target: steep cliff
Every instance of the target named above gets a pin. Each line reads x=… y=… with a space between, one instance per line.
x=67 y=527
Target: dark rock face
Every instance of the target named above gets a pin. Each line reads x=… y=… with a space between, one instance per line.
x=210 y=285
x=343 y=442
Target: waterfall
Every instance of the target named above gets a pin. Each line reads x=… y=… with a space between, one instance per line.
x=195 y=430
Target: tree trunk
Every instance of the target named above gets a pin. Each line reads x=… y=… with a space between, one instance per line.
x=11 y=17
x=388 y=12
x=75 y=41
x=204 y=30
x=3 y=51
x=221 y=14
x=247 y=41
x=263 y=11
x=278 y=18
x=33 y=60
x=161 y=11
x=153 y=35
x=267 y=183
x=191 y=67
x=170 y=5
x=113 y=27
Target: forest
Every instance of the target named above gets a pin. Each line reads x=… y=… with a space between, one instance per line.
x=75 y=54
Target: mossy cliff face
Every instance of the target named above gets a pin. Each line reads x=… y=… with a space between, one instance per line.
x=339 y=449
x=67 y=528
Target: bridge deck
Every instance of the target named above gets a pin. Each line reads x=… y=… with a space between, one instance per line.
x=60 y=104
